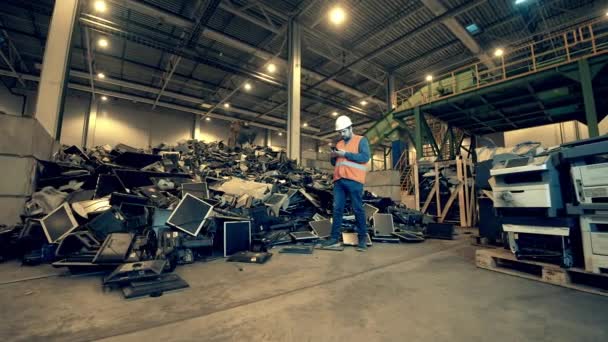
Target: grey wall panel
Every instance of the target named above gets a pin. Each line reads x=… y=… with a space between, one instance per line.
x=117 y=123
x=75 y=108
x=10 y=104
x=215 y=130
x=167 y=126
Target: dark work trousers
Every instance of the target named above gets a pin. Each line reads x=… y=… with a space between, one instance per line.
x=342 y=188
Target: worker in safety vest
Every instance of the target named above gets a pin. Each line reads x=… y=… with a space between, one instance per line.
x=349 y=158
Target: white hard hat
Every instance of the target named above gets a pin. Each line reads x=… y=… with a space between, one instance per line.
x=343 y=122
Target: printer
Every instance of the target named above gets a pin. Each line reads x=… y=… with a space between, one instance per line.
x=591 y=189
x=594 y=231
x=591 y=183
x=528 y=182
x=528 y=197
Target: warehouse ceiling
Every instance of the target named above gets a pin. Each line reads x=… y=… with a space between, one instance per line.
x=198 y=55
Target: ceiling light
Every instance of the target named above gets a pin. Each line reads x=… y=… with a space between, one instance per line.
x=334 y=114
x=363 y=103
x=207 y=119
x=104 y=98
x=271 y=68
x=280 y=134
x=337 y=15
x=473 y=28
x=101 y=75
x=429 y=78
x=305 y=124
x=248 y=86
x=499 y=52
x=517 y=2
x=102 y=42
x=226 y=105
x=100 y=6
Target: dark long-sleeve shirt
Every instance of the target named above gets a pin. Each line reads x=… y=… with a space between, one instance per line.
x=361 y=157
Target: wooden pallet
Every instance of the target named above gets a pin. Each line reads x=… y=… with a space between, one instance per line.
x=504 y=261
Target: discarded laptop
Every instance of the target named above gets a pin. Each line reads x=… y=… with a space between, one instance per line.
x=443 y=231
x=154 y=287
x=250 y=257
x=297 y=250
x=383 y=228
x=321 y=228
x=304 y=236
x=409 y=236
x=352 y=239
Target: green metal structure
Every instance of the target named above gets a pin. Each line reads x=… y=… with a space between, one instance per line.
x=557 y=79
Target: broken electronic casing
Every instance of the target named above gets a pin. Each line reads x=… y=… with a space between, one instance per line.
x=276 y=202
x=199 y=190
x=84 y=208
x=190 y=214
x=58 y=223
x=154 y=287
x=115 y=249
x=136 y=271
x=370 y=211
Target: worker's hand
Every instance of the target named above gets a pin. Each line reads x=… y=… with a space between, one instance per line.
x=338 y=154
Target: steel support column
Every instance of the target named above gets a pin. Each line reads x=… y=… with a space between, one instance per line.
x=268 y=139
x=53 y=78
x=418 y=117
x=293 y=90
x=587 y=87
x=90 y=122
x=391 y=95
x=196 y=128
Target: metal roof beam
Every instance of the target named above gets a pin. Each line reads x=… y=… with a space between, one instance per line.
x=460 y=32
x=177 y=20
x=186 y=41
x=220 y=65
x=382 y=49
x=390 y=22
x=136 y=86
x=308 y=30
x=497 y=110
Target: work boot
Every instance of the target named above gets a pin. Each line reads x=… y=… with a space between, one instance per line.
x=362 y=246
x=331 y=243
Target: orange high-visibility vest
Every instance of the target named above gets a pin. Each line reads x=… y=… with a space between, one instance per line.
x=349 y=169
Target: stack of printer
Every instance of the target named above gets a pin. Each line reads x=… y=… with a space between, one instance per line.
x=529 y=198
x=588 y=161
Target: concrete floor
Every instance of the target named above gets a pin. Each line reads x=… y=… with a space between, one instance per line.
x=421 y=292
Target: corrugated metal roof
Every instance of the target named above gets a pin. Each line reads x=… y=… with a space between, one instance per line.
x=366 y=29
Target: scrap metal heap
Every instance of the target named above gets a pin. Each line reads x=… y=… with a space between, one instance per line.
x=138 y=214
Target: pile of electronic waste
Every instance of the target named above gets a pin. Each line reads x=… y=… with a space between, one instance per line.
x=135 y=216
x=551 y=203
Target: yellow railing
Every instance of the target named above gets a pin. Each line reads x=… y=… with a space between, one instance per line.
x=585 y=41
